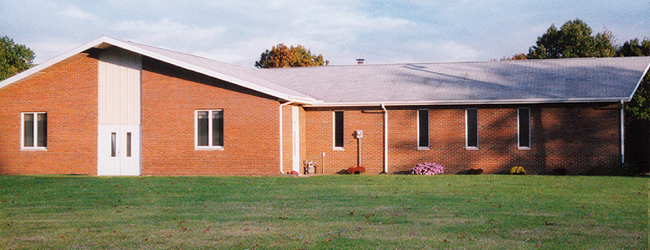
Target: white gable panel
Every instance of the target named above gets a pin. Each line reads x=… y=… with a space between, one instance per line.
x=119 y=87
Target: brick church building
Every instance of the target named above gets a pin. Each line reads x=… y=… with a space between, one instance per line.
x=112 y=107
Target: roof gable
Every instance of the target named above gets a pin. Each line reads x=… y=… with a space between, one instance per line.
x=234 y=74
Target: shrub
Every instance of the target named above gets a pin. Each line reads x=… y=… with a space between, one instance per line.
x=560 y=171
x=428 y=168
x=475 y=171
x=356 y=170
x=517 y=170
x=627 y=169
x=471 y=171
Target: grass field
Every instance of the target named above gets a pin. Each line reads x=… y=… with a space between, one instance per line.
x=325 y=212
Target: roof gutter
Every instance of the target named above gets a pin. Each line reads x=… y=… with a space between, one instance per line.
x=383 y=107
x=622 y=132
x=467 y=102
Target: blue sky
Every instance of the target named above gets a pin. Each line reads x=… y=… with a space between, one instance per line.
x=381 y=32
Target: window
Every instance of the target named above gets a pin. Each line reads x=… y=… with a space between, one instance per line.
x=471 y=116
x=113 y=144
x=339 y=133
x=128 y=144
x=524 y=128
x=34 y=130
x=423 y=129
x=209 y=129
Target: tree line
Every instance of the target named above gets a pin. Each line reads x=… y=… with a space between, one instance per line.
x=14 y=58
x=574 y=39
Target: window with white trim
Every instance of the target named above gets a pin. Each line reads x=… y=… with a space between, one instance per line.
x=34 y=127
x=524 y=128
x=209 y=129
x=339 y=131
x=471 y=125
x=423 y=129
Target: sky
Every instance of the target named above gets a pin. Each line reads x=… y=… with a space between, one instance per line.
x=381 y=32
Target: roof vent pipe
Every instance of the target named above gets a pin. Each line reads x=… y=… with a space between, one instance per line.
x=360 y=61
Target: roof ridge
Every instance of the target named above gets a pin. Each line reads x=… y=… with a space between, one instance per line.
x=448 y=63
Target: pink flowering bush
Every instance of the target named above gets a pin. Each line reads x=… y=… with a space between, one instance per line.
x=428 y=168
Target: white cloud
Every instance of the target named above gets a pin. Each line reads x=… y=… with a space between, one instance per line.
x=165 y=31
x=75 y=13
x=452 y=51
x=52 y=48
x=342 y=30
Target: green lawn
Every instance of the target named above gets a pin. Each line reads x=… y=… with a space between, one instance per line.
x=325 y=212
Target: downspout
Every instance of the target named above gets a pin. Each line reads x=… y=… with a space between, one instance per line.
x=385 y=138
x=281 y=141
x=622 y=131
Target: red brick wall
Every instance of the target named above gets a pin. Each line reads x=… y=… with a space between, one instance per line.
x=582 y=138
x=171 y=95
x=68 y=93
x=319 y=139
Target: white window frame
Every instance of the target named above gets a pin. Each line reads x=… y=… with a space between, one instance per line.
x=519 y=130
x=418 y=130
x=467 y=131
x=334 y=147
x=22 y=133
x=210 y=130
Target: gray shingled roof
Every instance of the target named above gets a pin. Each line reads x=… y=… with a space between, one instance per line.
x=550 y=80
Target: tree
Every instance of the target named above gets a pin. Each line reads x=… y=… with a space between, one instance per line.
x=573 y=39
x=637 y=111
x=281 y=56
x=515 y=57
x=519 y=57
x=639 y=107
x=603 y=45
x=634 y=48
x=14 y=58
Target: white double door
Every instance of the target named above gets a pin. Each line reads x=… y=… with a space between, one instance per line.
x=119 y=149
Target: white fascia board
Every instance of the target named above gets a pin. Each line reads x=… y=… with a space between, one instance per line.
x=51 y=62
x=207 y=72
x=639 y=83
x=467 y=102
